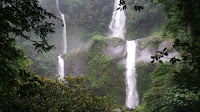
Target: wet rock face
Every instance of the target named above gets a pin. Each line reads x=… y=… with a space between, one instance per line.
x=147 y=47
x=116 y=49
x=75 y=60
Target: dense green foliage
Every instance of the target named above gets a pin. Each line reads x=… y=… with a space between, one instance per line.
x=145 y=22
x=12 y=67
x=153 y=99
x=37 y=94
x=165 y=96
x=175 y=86
x=106 y=76
x=16 y=13
x=143 y=77
x=86 y=18
x=184 y=27
x=20 y=89
x=13 y=61
x=44 y=63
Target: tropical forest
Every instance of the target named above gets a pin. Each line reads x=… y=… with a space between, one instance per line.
x=99 y=56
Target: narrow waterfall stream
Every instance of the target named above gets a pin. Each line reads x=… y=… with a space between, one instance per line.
x=61 y=71
x=117 y=27
x=131 y=89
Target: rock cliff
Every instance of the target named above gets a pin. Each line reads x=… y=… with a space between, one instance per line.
x=147 y=47
x=104 y=61
x=76 y=64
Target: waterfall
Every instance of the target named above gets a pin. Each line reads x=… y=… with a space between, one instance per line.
x=61 y=71
x=131 y=89
x=61 y=67
x=117 y=27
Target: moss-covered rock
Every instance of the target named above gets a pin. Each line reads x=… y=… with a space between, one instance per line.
x=147 y=47
x=102 y=60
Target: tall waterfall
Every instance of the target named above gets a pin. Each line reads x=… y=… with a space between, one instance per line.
x=117 y=27
x=131 y=89
x=61 y=71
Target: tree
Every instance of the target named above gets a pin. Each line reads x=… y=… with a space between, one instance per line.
x=183 y=25
x=20 y=18
x=46 y=95
x=182 y=94
x=22 y=90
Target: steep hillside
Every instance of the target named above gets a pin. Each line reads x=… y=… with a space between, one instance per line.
x=146 y=22
x=86 y=18
x=103 y=61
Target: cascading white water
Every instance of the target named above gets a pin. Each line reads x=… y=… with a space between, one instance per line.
x=61 y=71
x=64 y=35
x=131 y=89
x=117 y=25
x=61 y=66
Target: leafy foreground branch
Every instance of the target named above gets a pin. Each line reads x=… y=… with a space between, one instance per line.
x=37 y=94
x=175 y=86
x=23 y=91
x=23 y=18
